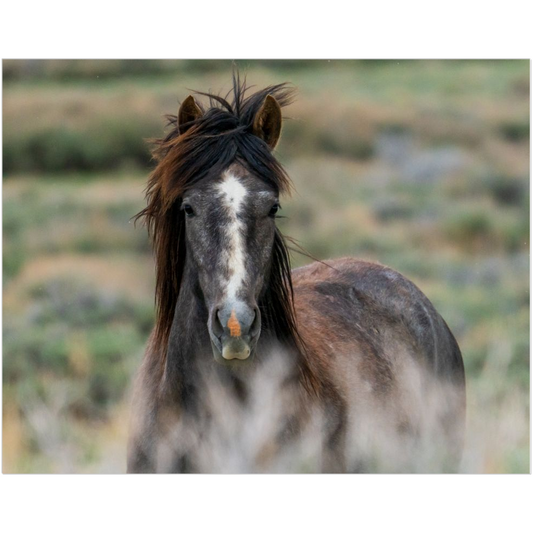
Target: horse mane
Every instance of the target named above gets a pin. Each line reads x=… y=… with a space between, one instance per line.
x=221 y=136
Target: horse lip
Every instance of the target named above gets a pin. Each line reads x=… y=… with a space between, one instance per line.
x=236 y=347
x=229 y=354
x=233 y=350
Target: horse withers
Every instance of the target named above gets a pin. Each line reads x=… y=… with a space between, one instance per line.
x=248 y=360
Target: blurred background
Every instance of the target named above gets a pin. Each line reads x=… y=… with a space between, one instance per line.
x=420 y=165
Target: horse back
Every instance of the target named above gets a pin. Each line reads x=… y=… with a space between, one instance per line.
x=361 y=302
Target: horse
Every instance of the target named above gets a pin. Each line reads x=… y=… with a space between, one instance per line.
x=361 y=348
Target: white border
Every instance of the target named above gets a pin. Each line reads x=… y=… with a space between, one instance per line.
x=275 y=29
x=407 y=29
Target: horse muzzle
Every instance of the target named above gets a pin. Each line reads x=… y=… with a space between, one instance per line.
x=234 y=331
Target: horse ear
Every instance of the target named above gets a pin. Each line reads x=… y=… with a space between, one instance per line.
x=188 y=112
x=267 y=122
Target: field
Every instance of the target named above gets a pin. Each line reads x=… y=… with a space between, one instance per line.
x=420 y=165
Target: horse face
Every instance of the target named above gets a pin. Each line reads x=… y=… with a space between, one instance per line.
x=230 y=230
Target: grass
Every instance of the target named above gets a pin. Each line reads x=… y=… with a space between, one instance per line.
x=423 y=166
x=55 y=124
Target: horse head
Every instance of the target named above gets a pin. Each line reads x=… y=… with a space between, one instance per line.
x=213 y=202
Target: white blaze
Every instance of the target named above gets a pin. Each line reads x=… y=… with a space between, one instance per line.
x=233 y=194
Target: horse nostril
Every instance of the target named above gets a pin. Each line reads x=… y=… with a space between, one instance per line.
x=255 y=328
x=216 y=324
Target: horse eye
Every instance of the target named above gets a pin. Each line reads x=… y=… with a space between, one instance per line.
x=273 y=210
x=189 y=211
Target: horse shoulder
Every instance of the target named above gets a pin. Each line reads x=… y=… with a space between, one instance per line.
x=143 y=418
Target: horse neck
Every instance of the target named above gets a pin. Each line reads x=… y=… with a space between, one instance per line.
x=189 y=339
x=189 y=349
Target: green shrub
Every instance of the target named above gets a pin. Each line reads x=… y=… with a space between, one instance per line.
x=507 y=190
x=515 y=131
x=30 y=349
x=106 y=145
x=390 y=209
x=471 y=227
